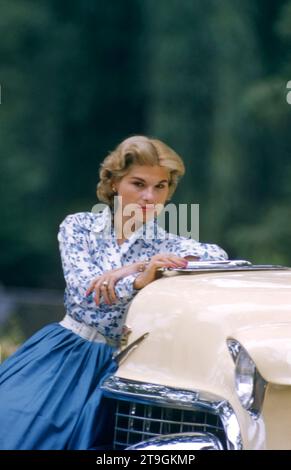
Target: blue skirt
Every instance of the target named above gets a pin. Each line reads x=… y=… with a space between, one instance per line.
x=50 y=395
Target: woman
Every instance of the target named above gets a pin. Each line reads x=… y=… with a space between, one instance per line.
x=50 y=395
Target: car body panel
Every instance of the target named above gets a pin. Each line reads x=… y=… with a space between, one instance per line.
x=190 y=316
x=270 y=348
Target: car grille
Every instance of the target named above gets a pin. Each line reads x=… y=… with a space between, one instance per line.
x=136 y=422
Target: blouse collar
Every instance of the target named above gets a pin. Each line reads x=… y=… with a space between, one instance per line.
x=103 y=225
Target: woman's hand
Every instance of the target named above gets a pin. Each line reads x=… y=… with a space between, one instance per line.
x=104 y=285
x=162 y=260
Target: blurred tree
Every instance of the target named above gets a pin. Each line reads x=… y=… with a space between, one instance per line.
x=207 y=77
x=215 y=93
x=70 y=75
x=264 y=230
x=236 y=66
x=201 y=58
x=28 y=138
x=180 y=84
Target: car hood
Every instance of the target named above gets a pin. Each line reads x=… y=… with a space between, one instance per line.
x=189 y=318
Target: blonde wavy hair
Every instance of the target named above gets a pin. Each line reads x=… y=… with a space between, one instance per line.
x=137 y=150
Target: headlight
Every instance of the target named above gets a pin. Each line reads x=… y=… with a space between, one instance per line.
x=245 y=371
x=249 y=384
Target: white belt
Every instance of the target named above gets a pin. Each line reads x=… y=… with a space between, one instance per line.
x=85 y=331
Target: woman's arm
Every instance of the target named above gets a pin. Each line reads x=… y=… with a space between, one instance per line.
x=162 y=260
x=149 y=274
x=80 y=270
x=111 y=278
x=187 y=247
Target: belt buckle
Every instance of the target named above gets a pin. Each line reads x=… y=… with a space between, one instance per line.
x=112 y=342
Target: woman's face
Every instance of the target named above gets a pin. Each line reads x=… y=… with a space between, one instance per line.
x=144 y=187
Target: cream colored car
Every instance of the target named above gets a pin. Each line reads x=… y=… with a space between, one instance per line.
x=214 y=372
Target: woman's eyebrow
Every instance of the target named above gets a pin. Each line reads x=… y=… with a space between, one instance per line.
x=144 y=181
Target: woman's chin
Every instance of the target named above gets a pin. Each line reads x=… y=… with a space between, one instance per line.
x=147 y=216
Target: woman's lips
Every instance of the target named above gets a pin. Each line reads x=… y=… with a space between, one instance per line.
x=147 y=208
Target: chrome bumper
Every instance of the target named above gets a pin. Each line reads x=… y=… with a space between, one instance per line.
x=149 y=411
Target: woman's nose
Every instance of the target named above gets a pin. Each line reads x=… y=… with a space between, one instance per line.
x=148 y=195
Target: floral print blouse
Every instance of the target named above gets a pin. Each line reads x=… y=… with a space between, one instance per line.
x=88 y=248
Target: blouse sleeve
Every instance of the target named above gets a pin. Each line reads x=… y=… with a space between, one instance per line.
x=79 y=268
x=183 y=247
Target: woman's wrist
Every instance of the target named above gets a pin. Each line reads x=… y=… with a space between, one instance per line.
x=137 y=285
x=137 y=267
x=129 y=269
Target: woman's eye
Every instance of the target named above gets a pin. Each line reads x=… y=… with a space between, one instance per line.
x=161 y=186
x=138 y=184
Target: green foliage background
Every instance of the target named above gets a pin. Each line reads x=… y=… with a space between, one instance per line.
x=209 y=77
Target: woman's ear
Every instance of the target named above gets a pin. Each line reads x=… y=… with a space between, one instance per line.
x=114 y=185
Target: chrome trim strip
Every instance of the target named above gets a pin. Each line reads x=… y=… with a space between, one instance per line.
x=148 y=393
x=119 y=356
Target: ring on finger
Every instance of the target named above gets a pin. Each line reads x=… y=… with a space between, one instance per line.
x=143 y=266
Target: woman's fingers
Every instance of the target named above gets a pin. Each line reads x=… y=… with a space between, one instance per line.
x=179 y=262
x=104 y=287
x=111 y=290
x=155 y=265
x=170 y=262
x=97 y=293
x=105 y=293
x=91 y=287
x=171 y=258
x=105 y=290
